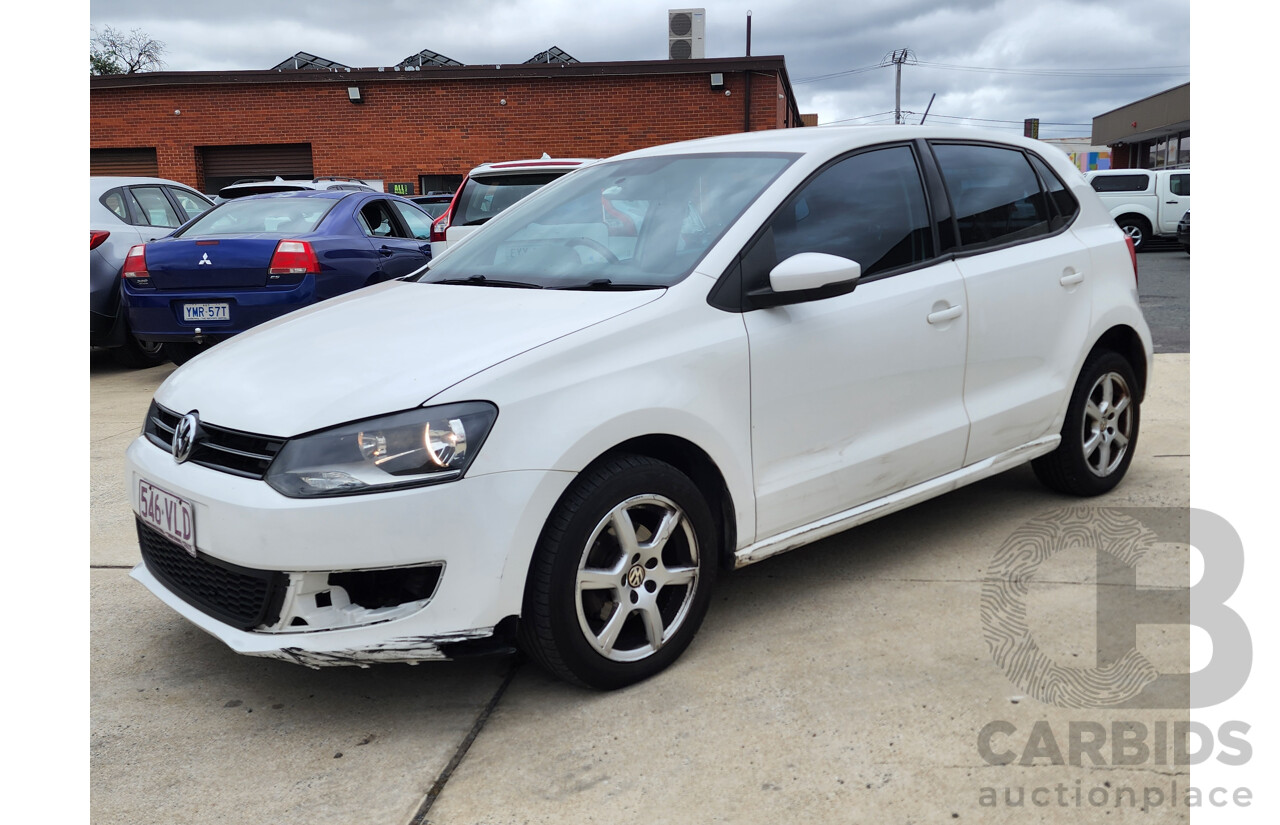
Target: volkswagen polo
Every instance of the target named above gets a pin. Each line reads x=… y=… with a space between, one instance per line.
x=669 y=364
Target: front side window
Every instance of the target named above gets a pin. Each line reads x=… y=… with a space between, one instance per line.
x=995 y=194
x=155 y=207
x=419 y=224
x=869 y=208
x=190 y=202
x=642 y=222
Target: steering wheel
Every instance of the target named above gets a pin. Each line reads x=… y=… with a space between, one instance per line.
x=595 y=246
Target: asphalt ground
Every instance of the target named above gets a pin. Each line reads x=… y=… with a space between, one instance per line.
x=848 y=681
x=1164 y=290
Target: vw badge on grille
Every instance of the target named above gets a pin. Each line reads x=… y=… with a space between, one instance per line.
x=184 y=437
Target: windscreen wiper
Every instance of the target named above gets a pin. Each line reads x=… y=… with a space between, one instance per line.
x=480 y=280
x=605 y=284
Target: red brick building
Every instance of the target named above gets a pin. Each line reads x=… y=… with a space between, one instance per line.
x=427 y=126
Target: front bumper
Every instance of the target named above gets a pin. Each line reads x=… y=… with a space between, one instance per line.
x=481 y=529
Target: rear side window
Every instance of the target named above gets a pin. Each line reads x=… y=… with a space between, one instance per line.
x=994 y=192
x=376 y=220
x=155 y=207
x=1180 y=184
x=484 y=197
x=1120 y=183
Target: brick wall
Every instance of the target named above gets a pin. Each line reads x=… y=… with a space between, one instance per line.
x=413 y=123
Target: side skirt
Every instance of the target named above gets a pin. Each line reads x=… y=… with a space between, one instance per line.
x=839 y=522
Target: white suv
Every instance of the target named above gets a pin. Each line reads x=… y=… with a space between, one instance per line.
x=489 y=189
x=670 y=363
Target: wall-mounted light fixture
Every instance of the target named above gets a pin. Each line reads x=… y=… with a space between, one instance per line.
x=353 y=94
x=717 y=80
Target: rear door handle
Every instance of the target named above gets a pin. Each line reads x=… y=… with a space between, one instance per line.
x=944 y=315
x=386 y=251
x=1071 y=278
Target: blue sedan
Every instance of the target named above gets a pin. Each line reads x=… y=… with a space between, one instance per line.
x=254 y=259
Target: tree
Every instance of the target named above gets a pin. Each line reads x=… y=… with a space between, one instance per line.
x=111 y=51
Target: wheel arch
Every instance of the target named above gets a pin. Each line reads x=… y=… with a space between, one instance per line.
x=702 y=470
x=1124 y=340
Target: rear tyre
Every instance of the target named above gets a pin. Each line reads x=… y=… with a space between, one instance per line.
x=622 y=574
x=1136 y=227
x=137 y=354
x=1100 y=432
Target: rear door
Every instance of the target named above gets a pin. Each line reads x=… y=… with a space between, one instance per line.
x=1027 y=280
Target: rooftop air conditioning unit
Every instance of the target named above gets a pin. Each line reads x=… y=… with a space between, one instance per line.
x=686 y=33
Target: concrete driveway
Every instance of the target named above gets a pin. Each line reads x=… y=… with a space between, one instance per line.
x=846 y=682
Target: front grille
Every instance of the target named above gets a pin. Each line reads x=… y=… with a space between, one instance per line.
x=240 y=596
x=218 y=448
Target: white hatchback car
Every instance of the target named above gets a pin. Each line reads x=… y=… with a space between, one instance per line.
x=675 y=361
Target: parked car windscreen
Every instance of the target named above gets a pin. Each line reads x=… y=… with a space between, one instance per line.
x=286 y=216
x=640 y=222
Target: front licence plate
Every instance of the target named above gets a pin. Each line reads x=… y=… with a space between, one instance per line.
x=171 y=515
x=206 y=312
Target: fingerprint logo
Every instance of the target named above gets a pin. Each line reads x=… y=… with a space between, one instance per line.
x=1113 y=682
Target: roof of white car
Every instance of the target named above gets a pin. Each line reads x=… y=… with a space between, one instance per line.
x=100 y=184
x=824 y=139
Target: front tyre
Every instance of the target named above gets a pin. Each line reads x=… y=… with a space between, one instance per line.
x=622 y=574
x=1100 y=431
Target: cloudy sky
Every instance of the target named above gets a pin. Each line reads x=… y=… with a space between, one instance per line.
x=990 y=62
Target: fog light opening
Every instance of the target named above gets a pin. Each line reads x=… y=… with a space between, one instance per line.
x=375 y=589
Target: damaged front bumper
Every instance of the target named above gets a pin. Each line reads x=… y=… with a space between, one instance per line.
x=359 y=646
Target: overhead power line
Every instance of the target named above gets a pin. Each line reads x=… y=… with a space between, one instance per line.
x=1125 y=71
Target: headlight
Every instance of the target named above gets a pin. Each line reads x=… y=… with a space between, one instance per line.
x=408 y=449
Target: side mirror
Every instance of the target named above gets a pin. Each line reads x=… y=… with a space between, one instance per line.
x=807 y=276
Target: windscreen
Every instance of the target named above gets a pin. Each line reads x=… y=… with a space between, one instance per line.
x=639 y=222
x=285 y=216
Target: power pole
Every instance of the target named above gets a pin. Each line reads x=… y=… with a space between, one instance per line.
x=899 y=57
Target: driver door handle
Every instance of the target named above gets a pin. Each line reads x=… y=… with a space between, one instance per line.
x=944 y=315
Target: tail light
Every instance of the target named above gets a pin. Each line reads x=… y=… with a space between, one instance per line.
x=293 y=258
x=96 y=237
x=1133 y=258
x=440 y=224
x=135 y=263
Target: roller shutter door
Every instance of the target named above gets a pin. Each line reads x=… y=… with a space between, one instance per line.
x=123 y=163
x=227 y=164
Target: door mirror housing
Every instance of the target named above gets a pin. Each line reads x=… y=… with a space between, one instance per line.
x=807 y=276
